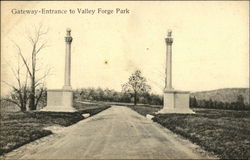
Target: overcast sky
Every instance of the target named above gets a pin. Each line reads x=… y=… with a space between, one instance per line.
x=210 y=48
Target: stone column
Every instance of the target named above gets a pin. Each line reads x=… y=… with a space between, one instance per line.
x=61 y=100
x=174 y=101
x=168 y=78
x=68 y=40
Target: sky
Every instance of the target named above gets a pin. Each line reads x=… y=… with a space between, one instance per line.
x=210 y=48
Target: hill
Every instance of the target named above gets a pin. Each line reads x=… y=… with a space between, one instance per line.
x=223 y=95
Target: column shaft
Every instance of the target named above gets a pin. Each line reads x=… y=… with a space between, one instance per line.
x=67 y=74
x=168 y=78
x=169 y=67
x=67 y=65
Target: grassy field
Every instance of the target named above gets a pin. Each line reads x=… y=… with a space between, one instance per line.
x=18 y=128
x=222 y=132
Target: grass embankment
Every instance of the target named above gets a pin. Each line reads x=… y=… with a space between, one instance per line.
x=91 y=108
x=145 y=109
x=18 y=128
x=223 y=132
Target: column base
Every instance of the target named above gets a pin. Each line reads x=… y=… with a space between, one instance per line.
x=58 y=109
x=165 y=111
x=59 y=101
x=176 y=102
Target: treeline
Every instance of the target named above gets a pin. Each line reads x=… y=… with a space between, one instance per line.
x=109 y=95
x=237 y=105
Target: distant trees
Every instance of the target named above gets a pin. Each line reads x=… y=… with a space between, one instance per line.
x=136 y=90
x=98 y=94
x=237 y=105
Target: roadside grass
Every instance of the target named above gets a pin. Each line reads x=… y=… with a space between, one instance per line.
x=145 y=109
x=19 y=128
x=222 y=132
x=92 y=109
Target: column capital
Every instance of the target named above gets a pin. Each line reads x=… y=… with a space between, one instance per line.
x=68 y=37
x=169 y=41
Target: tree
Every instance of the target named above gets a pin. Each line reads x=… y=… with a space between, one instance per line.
x=28 y=93
x=193 y=102
x=210 y=103
x=19 y=93
x=136 y=85
x=240 y=102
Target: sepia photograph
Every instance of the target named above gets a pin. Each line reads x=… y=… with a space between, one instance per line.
x=124 y=80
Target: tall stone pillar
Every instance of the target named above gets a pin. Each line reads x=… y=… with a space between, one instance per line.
x=61 y=100
x=174 y=101
x=67 y=74
x=168 y=78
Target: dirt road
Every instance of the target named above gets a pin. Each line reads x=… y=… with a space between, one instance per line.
x=115 y=133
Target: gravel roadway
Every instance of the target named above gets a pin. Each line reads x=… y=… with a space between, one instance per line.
x=116 y=133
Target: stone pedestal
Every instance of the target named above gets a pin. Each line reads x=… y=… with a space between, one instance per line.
x=59 y=100
x=176 y=102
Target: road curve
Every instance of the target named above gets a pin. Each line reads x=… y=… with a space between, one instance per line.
x=116 y=133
